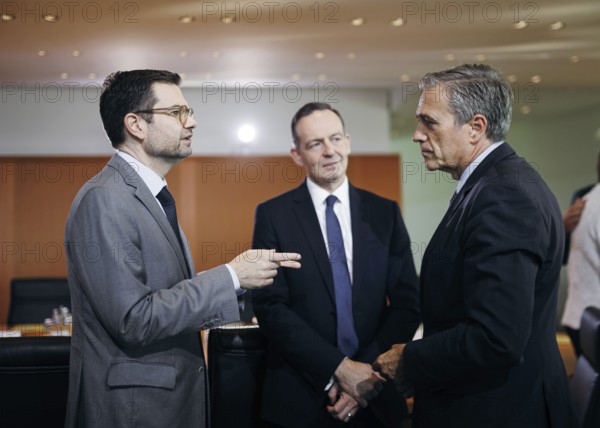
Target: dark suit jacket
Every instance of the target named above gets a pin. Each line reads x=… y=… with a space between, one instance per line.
x=297 y=313
x=489 y=282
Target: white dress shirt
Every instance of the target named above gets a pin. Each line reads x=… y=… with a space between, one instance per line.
x=583 y=268
x=473 y=165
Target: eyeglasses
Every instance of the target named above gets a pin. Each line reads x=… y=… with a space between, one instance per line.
x=183 y=113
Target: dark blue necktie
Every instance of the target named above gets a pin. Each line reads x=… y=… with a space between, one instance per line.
x=168 y=203
x=346 y=335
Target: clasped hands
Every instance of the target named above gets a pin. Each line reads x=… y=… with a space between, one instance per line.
x=356 y=383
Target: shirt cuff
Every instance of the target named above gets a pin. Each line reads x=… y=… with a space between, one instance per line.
x=236 y=281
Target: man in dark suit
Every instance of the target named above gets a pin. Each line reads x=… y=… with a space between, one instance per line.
x=138 y=304
x=490 y=274
x=320 y=345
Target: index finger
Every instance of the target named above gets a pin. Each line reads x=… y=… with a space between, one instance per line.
x=284 y=257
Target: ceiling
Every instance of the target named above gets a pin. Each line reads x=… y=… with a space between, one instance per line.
x=304 y=41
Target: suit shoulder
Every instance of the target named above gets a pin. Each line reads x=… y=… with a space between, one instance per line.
x=281 y=200
x=373 y=198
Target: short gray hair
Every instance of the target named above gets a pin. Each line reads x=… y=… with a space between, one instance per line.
x=472 y=89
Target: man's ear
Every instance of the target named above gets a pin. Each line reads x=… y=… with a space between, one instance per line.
x=348 y=142
x=296 y=156
x=136 y=126
x=478 y=127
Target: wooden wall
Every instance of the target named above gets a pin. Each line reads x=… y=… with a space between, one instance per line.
x=216 y=198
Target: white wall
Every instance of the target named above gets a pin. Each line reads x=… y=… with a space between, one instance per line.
x=52 y=120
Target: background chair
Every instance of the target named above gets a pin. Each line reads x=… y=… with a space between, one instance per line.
x=236 y=367
x=34 y=377
x=585 y=383
x=32 y=300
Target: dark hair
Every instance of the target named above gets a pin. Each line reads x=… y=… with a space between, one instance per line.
x=473 y=89
x=124 y=92
x=306 y=110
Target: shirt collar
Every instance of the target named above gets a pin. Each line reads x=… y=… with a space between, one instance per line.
x=473 y=165
x=319 y=195
x=151 y=179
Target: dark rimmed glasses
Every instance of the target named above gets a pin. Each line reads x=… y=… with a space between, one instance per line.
x=182 y=113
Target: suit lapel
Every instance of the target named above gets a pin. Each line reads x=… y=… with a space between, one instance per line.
x=360 y=230
x=143 y=194
x=307 y=218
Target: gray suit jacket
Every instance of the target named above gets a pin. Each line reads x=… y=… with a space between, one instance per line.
x=136 y=357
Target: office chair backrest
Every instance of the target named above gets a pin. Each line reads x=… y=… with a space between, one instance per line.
x=236 y=367
x=585 y=383
x=34 y=374
x=32 y=300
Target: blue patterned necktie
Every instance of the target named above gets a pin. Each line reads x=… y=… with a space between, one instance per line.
x=168 y=203
x=346 y=335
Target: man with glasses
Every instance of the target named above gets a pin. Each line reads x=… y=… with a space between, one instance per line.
x=138 y=305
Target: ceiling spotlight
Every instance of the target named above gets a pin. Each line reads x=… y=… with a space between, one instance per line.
x=480 y=57
x=405 y=77
x=183 y=54
x=351 y=55
x=322 y=77
x=51 y=18
x=520 y=25
x=511 y=78
x=450 y=57
x=320 y=55
x=228 y=20
x=296 y=76
x=525 y=109
x=186 y=19
x=216 y=54
x=8 y=17
x=574 y=59
x=246 y=133
x=182 y=75
x=64 y=76
x=398 y=22
x=41 y=53
x=75 y=53
x=536 y=79
x=558 y=25
x=92 y=76
x=357 y=22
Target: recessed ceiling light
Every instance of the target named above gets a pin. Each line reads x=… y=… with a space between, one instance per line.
x=186 y=19
x=182 y=75
x=398 y=22
x=544 y=55
x=450 y=57
x=351 y=55
x=216 y=54
x=405 y=77
x=228 y=20
x=64 y=76
x=51 y=18
x=208 y=76
x=320 y=55
x=41 y=53
x=536 y=79
x=92 y=76
x=480 y=57
x=525 y=109
x=574 y=59
x=511 y=78
x=322 y=77
x=520 y=25
x=8 y=17
x=558 y=25
x=183 y=54
x=76 y=53
x=296 y=76
x=357 y=22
